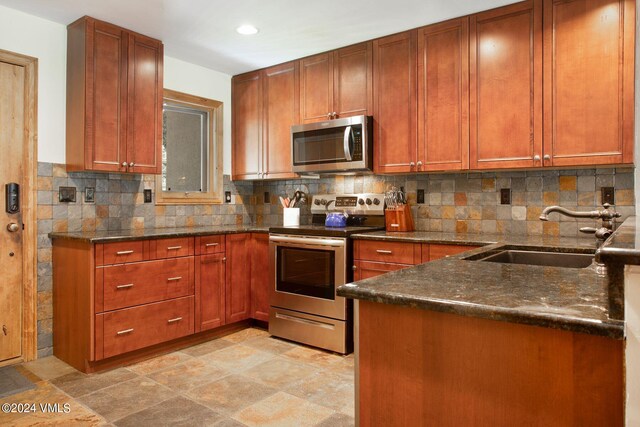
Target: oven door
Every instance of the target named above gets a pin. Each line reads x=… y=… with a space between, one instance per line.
x=305 y=272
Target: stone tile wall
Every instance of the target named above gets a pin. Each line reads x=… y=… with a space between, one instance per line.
x=457 y=202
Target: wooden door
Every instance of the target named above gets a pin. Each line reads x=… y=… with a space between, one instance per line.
x=281 y=111
x=238 y=277
x=12 y=134
x=589 y=82
x=104 y=98
x=259 y=277
x=144 y=118
x=395 y=103
x=443 y=96
x=353 y=80
x=210 y=291
x=506 y=87
x=316 y=88
x=246 y=144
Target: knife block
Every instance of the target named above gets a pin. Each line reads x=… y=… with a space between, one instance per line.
x=399 y=219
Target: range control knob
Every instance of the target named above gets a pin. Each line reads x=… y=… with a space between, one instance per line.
x=368 y=201
x=360 y=202
x=376 y=202
x=316 y=202
x=323 y=202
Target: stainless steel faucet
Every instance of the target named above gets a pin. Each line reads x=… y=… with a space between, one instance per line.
x=607 y=216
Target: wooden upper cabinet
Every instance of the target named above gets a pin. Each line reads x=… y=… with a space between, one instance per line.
x=280 y=112
x=395 y=103
x=336 y=84
x=114 y=99
x=506 y=87
x=589 y=82
x=144 y=119
x=443 y=96
x=247 y=125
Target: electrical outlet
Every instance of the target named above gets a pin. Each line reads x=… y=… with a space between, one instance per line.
x=147 y=195
x=608 y=195
x=89 y=194
x=505 y=196
x=67 y=195
x=227 y=196
x=420 y=196
x=267 y=198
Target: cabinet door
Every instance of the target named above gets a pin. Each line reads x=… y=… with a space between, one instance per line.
x=394 y=103
x=280 y=112
x=589 y=86
x=259 y=277
x=442 y=251
x=210 y=291
x=144 y=118
x=443 y=96
x=506 y=87
x=106 y=98
x=352 y=80
x=316 y=88
x=238 y=277
x=247 y=126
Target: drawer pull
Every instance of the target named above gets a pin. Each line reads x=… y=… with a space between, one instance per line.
x=211 y=244
x=124 y=252
x=177 y=319
x=129 y=285
x=395 y=225
x=381 y=251
x=125 y=331
x=173 y=279
x=173 y=248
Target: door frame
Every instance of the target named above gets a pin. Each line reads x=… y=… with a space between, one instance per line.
x=29 y=205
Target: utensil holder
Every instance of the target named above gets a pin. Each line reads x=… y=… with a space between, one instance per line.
x=291 y=217
x=399 y=219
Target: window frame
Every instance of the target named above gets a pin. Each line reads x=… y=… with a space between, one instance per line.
x=215 y=193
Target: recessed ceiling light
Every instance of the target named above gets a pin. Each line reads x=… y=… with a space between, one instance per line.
x=247 y=30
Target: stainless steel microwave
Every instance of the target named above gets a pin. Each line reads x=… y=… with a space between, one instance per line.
x=340 y=145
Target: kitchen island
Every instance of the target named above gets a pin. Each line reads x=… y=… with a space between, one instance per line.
x=459 y=341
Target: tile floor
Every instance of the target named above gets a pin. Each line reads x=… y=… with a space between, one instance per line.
x=244 y=379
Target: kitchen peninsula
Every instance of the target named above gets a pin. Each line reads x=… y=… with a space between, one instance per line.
x=512 y=344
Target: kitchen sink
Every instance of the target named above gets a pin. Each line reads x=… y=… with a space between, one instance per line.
x=549 y=259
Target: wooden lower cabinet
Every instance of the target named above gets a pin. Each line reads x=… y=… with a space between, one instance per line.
x=432 y=252
x=238 y=277
x=133 y=328
x=367 y=269
x=210 y=291
x=259 y=276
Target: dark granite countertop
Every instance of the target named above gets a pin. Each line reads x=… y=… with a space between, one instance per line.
x=561 y=298
x=623 y=247
x=156 y=233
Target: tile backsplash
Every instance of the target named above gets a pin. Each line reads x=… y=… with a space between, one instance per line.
x=455 y=202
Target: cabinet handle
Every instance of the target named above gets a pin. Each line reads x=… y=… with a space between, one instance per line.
x=394 y=225
x=124 y=164
x=382 y=251
x=127 y=286
x=547 y=157
x=125 y=331
x=328 y=115
x=354 y=268
x=536 y=158
x=334 y=115
x=124 y=252
x=173 y=279
x=132 y=164
x=411 y=164
x=177 y=319
x=211 y=244
x=419 y=163
x=224 y=259
x=173 y=248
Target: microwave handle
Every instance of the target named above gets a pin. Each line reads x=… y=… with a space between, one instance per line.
x=347 y=135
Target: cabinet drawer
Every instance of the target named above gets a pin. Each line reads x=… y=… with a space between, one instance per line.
x=210 y=244
x=171 y=248
x=366 y=269
x=133 y=328
x=393 y=252
x=436 y=251
x=145 y=282
x=120 y=252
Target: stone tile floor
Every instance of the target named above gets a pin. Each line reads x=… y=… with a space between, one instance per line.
x=244 y=379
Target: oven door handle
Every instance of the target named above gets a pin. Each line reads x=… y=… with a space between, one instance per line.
x=308 y=241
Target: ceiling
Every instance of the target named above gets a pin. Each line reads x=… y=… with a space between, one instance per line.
x=203 y=31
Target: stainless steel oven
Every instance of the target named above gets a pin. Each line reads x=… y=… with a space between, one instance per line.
x=305 y=272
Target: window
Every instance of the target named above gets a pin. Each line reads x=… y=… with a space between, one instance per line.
x=191 y=150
